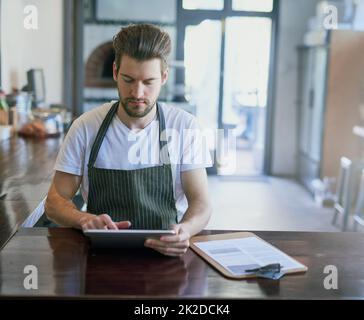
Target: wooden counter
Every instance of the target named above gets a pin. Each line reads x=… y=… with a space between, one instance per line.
x=67 y=268
x=26 y=171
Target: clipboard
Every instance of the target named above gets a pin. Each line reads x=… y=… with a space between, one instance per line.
x=237 y=235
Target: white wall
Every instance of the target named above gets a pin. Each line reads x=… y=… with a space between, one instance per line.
x=23 y=49
x=293 y=18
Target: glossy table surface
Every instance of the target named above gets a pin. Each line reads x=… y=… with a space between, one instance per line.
x=67 y=267
x=26 y=171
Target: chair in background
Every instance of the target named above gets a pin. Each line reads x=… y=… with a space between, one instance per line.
x=346 y=189
x=359 y=205
x=343 y=194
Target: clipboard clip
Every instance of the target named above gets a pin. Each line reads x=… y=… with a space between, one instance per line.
x=270 y=271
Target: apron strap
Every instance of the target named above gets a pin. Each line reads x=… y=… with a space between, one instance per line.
x=163 y=143
x=101 y=134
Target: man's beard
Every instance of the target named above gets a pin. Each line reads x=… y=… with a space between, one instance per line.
x=137 y=111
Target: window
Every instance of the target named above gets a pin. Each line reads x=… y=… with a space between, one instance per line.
x=203 y=4
x=253 y=5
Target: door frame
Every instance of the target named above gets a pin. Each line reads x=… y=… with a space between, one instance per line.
x=194 y=17
x=73 y=69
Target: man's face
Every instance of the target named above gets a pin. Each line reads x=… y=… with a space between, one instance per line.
x=139 y=84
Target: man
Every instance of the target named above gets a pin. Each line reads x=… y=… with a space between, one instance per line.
x=105 y=150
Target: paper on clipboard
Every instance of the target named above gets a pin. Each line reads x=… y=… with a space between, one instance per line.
x=240 y=254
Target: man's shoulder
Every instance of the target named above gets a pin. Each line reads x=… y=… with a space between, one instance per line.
x=88 y=123
x=94 y=116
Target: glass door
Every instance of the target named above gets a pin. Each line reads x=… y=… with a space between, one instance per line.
x=226 y=49
x=202 y=48
x=245 y=90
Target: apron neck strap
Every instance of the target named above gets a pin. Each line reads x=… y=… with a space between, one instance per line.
x=101 y=134
x=163 y=144
x=163 y=140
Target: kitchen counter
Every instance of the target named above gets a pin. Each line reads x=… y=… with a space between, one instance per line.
x=26 y=171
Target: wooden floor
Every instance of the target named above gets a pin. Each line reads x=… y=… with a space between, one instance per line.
x=265 y=203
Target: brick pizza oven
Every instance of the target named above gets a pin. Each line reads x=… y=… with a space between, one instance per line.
x=98 y=73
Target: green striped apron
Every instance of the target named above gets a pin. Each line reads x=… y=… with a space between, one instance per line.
x=142 y=196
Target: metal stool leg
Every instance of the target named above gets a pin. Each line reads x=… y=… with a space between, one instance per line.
x=343 y=195
x=359 y=206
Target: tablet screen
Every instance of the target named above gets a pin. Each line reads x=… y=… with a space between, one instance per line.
x=123 y=238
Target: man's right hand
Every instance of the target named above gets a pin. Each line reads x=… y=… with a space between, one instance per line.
x=102 y=221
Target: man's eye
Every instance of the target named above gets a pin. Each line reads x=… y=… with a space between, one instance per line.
x=128 y=80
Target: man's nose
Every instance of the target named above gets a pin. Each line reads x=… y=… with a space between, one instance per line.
x=137 y=90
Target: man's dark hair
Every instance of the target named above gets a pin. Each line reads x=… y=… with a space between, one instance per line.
x=142 y=42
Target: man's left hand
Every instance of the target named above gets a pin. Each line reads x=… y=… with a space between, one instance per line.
x=175 y=245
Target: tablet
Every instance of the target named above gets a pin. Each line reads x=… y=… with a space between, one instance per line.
x=123 y=238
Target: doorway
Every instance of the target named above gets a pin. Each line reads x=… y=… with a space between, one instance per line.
x=228 y=48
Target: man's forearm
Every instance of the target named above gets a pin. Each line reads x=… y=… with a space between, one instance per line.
x=196 y=217
x=64 y=212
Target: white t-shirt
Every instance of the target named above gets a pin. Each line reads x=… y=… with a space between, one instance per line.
x=126 y=149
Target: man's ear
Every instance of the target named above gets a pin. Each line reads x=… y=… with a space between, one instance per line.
x=165 y=76
x=114 y=71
